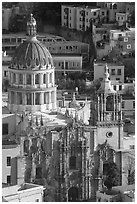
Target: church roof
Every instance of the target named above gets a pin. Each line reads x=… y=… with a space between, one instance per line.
x=31 y=54
x=106 y=86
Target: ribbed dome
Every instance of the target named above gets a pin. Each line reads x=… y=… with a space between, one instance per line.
x=31 y=54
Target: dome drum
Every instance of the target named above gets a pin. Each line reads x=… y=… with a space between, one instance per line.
x=31 y=75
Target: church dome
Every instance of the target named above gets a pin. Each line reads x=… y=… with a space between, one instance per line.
x=31 y=54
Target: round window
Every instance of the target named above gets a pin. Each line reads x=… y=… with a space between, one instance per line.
x=109 y=134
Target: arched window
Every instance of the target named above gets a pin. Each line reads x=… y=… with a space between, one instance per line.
x=29 y=79
x=109 y=103
x=38 y=173
x=20 y=79
x=37 y=98
x=14 y=78
x=12 y=97
x=72 y=162
x=37 y=79
x=115 y=6
x=50 y=78
x=44 y=78
x=19 y=98
x=28 y=98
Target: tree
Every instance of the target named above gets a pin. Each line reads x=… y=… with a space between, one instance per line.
x=111 y=175
x=110 y=171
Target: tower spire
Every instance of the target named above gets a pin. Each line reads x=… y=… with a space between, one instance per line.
x=31 y=26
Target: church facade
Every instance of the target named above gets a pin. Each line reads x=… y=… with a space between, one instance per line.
x=68 y=158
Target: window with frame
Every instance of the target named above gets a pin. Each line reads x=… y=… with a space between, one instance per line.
x=119 y=72
x=117 y=79
x=114 y=87
x=37 y=98
x=37 y=79
x=50 y=78
x=44 y=78
x=5 y=128
x=8 y=161
x=112 y=71
x=129 y=46
x=123 y=104
x=20 y=78
x=125 y=39
x=94 y=13
x=72 y=162
x=14 y=78
x=28 y=95
x=28 y=79
x=120 y=87
x=5 y=73
x=8 y=179
x=131 y=146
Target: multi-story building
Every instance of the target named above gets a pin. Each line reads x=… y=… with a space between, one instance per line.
x=116 y=72
x=126 y=44
x=7 y=13
x=116 y=35
x=113 y=8
x=55 y=44
x=79 y=17
x=121 y=18
x=130 y=7
x=22 y=193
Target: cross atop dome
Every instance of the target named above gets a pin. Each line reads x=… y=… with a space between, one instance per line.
x=31 y=26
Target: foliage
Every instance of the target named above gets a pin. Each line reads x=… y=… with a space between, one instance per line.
x=111 y=175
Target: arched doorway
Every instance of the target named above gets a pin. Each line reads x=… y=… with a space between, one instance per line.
x=73 y=194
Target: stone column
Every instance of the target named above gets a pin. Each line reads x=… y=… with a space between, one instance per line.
x=32 y=79
x=49 y=98
x=24 y=79
x=47 y=80
x=53 y=78
x=16 y=98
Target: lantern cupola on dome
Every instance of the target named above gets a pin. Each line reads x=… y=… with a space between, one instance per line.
x=31 y=54
x=31 y=26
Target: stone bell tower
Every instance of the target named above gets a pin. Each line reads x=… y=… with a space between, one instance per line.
x=108 y=121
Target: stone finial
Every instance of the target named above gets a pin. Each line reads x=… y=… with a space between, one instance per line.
x=31 y=26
